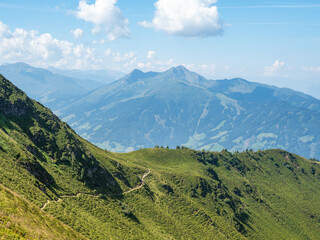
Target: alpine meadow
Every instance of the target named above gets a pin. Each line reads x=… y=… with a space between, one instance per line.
x=162 y=119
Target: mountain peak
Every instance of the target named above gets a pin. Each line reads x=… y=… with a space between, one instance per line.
x=136 y=71
x=137 y=75
x=184 y=74
x=16 y=66
x=181 y=70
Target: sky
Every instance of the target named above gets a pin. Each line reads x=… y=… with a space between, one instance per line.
x=272 y=42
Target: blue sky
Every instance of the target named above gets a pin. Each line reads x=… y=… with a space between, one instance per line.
x=264 y=41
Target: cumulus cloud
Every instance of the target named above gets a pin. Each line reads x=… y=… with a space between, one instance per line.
x=105 y=15
x=42 y=50
x=151 y=54
x=188 y=18
x=77 y=33
x=273 y=69
x=3 y=29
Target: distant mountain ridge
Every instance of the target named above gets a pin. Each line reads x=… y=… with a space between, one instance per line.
x=53 y=87
x=99 y=76
x=181 y=107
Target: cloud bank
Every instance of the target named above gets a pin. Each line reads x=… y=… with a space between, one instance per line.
x=42 y=50
x=187 y=18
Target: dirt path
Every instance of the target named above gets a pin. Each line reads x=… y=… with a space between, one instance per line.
x=73 y=196
x=140 y=186
x=64 y=196
x=78 y=195
x=44 y=206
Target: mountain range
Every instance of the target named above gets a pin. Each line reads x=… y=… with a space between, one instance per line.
x=175 y=107
x=56 y=88
x=56 y=185
x=101 y=76
x=179 y=107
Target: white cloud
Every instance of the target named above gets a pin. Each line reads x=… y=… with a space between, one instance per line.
x=189 y=18
x=151 y=54
x=3 y=29
x=129 y=56
x=170 y=62
x=207 y=70
x=107 y=52
x=43 y=50
x=311 y=69
x=273 y=69
x=152 y=65
x=144 y=66
x=77 y=33
x=105 y=15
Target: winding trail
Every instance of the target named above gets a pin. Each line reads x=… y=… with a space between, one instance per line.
x=73 y=196
x=44 y=206
x=142 y=183
x=78 y=195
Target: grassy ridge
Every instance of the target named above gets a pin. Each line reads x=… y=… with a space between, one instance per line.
x=187 y=195
x=263 y=195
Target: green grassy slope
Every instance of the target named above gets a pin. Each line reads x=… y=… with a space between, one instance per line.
x=187 y=195
x=42 y=159
x=264 y=195
x=19 y=219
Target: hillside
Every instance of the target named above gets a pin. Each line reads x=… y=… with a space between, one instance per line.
x=43 y=159
x=263 y=195
x=184 y=194
x=20 y=219
x=179 y=107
